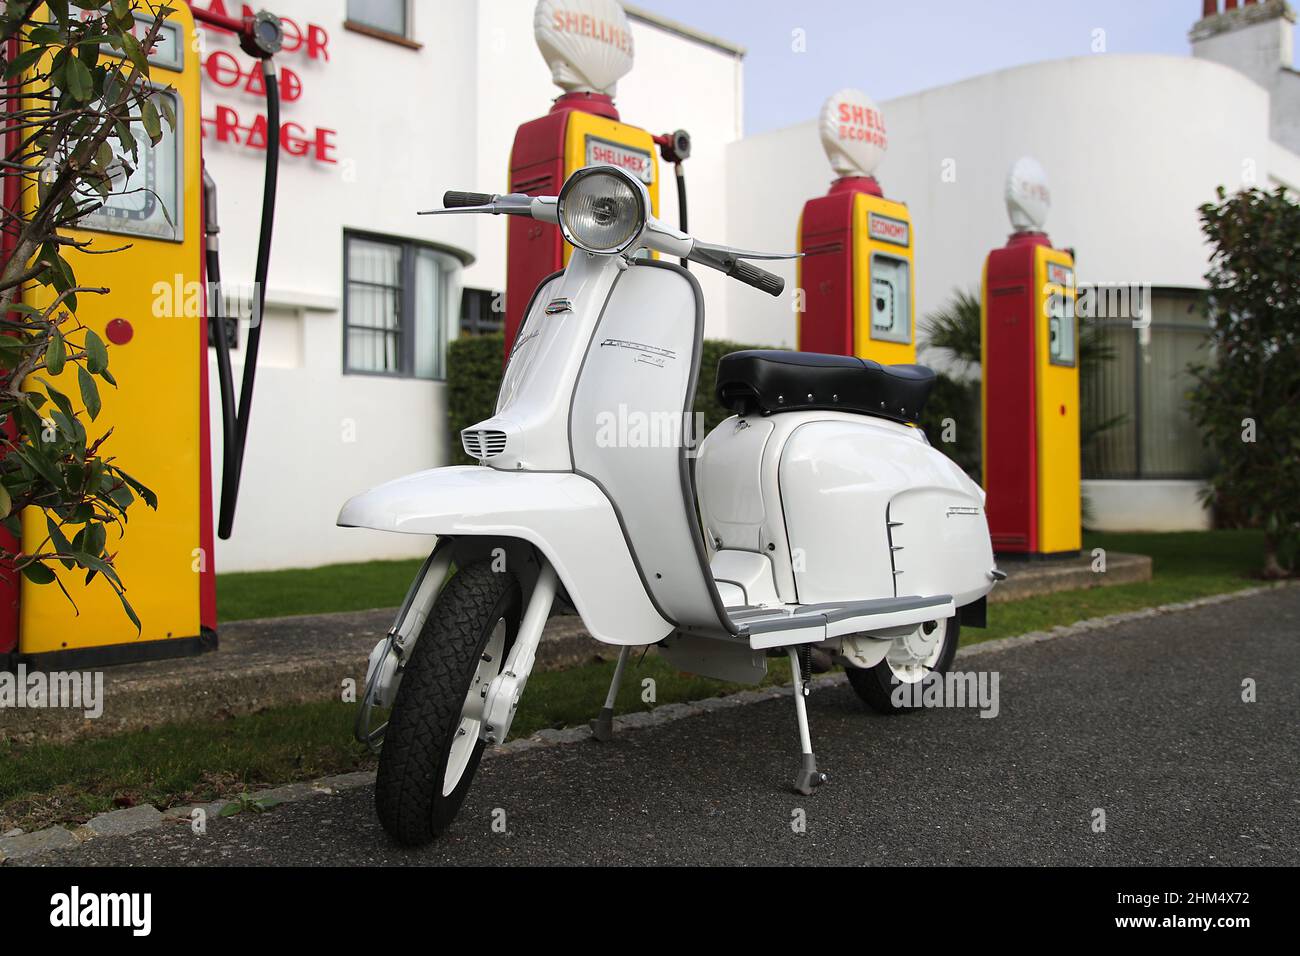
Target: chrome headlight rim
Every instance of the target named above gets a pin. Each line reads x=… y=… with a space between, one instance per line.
x=638 y=191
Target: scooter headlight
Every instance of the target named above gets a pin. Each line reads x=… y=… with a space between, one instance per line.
x=602 y=209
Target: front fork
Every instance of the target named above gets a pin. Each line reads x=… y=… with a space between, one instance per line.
x=500 y=702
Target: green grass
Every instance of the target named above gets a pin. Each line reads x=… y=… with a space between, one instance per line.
x=192 y=762
x=339 y=587
x=1185 y=566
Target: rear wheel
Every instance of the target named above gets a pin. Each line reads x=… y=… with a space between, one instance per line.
x=432 y=747
x=910 y=660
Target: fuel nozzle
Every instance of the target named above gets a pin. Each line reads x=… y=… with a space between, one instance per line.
x=261 y=35
x=674 y=147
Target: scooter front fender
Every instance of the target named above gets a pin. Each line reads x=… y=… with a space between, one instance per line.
x=565 y=516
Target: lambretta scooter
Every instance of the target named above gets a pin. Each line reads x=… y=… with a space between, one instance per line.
x=825 y=519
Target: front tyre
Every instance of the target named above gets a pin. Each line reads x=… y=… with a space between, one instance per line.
x=910 y=660
x=432 y=747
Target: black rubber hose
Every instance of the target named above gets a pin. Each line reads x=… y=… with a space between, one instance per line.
x=681 y=203
x=225 y=377
x=230 y=489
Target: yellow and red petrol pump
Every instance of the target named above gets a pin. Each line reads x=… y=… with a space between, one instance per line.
x=588 y=46
x=162 y=215
x=1030 y=381
x=857 y=276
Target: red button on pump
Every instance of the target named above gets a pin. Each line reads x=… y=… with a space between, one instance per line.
x=119 y=331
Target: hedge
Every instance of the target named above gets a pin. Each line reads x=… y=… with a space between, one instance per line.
x=474 y=377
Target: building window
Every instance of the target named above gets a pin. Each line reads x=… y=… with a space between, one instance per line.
x=480 y=312
x=387 y=16
x=399 y=297
x=1136 y=404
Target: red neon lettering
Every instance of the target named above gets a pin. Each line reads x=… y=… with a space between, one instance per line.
x=291 y=140
x=227 y=125
x=325 y=146
x=319 y=144
x=318 y=43
x=223 y=69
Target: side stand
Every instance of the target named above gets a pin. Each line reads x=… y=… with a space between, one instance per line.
x=808 y=775
x=602 y=728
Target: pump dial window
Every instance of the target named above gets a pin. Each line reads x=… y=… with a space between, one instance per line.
x=891 y=312
x=1061 y=337
x=146 y=192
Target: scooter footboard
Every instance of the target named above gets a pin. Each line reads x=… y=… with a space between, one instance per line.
x=565 y=516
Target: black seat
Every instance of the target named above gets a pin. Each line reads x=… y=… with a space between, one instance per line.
x=770 y=381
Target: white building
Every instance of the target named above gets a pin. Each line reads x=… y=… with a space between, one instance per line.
x=419 y=102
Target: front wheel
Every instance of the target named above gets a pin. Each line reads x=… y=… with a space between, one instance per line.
x=432 y=747
x=910 y=660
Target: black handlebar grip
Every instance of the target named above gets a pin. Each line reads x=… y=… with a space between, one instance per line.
x=760 y=279
x=459 y=200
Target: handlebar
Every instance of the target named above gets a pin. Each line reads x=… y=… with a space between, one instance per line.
x=729 y=263
x=760 y=279
x=658 y=236
x=460 y=200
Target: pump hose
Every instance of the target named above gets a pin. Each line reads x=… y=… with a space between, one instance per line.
x=225 y=378
x=681 y=202
x=234 y=456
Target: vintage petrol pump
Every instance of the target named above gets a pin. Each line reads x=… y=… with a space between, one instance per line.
x=857 y=274
x=164 y=215
x=1030 y=381
x=588 y=46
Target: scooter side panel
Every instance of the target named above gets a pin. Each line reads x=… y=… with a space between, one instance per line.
x=565 y=516
x=942 y=537
x=630 y=428
x=837 y=477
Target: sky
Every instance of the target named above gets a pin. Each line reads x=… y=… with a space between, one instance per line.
x=893 y=47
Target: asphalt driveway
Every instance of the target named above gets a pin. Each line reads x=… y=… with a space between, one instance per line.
x=1143 y=720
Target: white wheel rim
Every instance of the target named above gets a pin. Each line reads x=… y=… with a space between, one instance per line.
x=466 y=737
x=914 y=655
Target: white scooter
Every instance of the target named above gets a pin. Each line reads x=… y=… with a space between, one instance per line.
x=818 y=517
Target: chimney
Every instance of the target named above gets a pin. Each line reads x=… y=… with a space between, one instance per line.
x=1254 y=38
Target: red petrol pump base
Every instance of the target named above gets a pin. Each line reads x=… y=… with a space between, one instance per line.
x=826 y=272
x=856 y=276
x=580 y=128
x=1030 y=401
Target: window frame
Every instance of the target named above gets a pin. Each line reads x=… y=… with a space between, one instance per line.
x=407 y=323
x=381 y=33
x=1138 y=378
